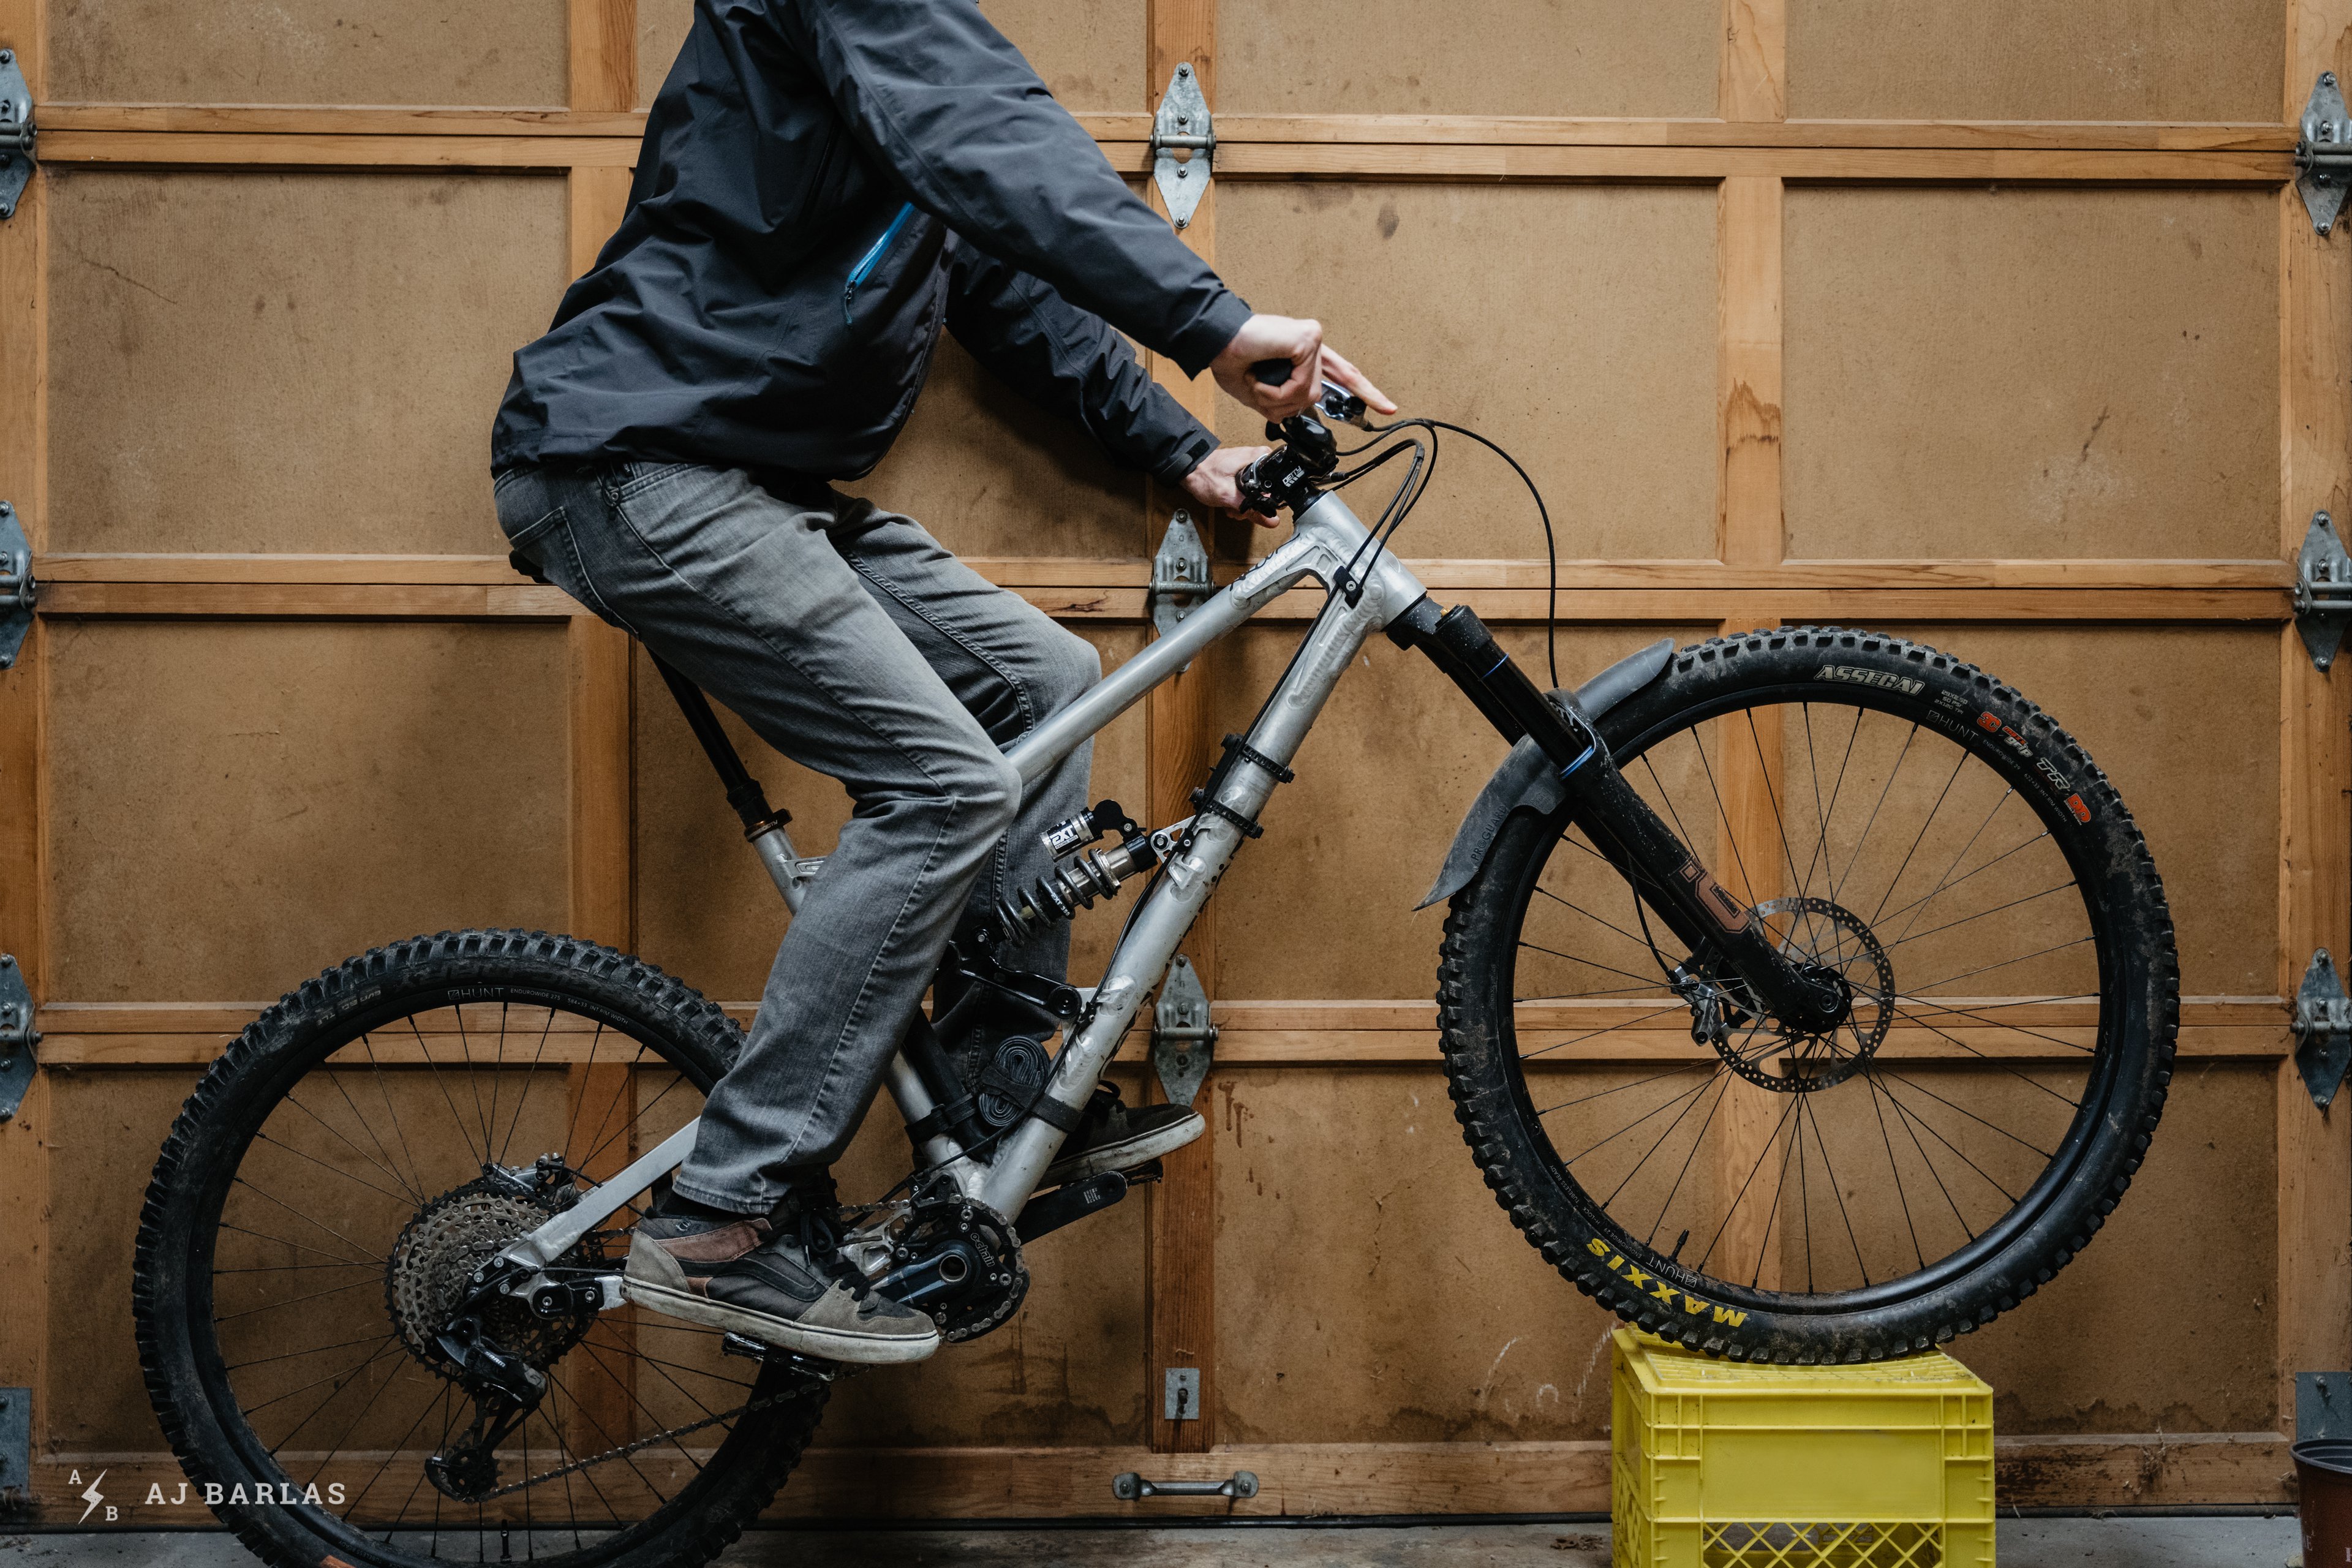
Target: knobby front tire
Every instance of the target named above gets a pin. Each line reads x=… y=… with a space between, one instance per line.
x=1909 y=821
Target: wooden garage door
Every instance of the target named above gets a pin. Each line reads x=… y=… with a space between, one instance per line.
x=2000 y=327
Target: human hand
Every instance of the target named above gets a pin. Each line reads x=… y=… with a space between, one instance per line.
x=1212 y=483
x=1299 y=344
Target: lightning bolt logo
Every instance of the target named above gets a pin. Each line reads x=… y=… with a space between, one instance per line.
x=92 y=1497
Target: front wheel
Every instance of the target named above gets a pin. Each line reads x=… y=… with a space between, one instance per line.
x=1903 y=820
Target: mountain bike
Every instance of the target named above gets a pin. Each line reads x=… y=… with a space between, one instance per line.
x=1875 y=1096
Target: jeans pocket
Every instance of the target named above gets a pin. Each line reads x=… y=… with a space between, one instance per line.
x=523 y=538
x=551 y=543
x=634 y=478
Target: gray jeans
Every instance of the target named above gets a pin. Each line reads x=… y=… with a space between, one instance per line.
x=853 y=643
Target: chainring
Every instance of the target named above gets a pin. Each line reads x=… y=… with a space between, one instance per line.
x=432 y=1266
x=995 y=1289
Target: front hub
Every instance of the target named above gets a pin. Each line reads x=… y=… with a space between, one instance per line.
x=1845 y=967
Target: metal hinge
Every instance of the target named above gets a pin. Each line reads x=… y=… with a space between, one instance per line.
x=2323 y=1029
x=17 y=589
x=1180 y=573
x=2323 y=1407
x=2323 y=153
x=15 y=1451
x=1182 y=126
x=1183 y=1041
x=17 y=1036
x=16 y=132
x=2323 y=590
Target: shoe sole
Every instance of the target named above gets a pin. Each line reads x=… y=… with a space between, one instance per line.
x=828 y=1344
x=1125 y=1156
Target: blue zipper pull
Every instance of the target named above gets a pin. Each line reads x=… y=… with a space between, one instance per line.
x=866 y=263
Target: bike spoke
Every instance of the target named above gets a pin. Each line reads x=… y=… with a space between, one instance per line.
x=1894 y=1169
x=1837 y=1192
x=1921 y=838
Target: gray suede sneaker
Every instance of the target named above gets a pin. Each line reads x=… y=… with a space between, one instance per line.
x=1119 y=1137
x=779 y=1285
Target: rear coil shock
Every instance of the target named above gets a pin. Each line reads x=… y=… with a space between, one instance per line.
x=1081 y=878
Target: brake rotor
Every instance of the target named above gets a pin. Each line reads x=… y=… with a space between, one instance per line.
x=1834 y=940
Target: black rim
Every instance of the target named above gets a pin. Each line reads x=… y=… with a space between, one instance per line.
x=1908 y=1162
x=303 y=1318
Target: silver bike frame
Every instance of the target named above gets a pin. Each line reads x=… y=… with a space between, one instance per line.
x=1327 y=541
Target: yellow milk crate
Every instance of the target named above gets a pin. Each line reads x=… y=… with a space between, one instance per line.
x=1717 y=1464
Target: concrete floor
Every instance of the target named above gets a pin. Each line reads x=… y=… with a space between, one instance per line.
x=2234 y=1542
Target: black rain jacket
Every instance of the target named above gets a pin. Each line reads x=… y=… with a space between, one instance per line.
x=823 y=185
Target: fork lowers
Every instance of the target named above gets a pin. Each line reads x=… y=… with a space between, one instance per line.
x=1672 y=881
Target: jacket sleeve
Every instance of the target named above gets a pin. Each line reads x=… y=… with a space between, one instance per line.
x=942 y=100
x=1070 y=361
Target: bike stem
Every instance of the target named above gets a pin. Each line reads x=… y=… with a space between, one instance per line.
x=1665 y=874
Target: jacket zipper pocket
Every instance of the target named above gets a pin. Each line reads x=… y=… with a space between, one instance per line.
x=868 y=262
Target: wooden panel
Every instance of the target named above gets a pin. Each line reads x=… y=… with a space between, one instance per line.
x=289 y=361
x=989 y=473
x=706 y=910
x=1085 y=50
x=661 y=29
x=104 y=1133
x=1395 y=1301
x=1576 y=326
x=1323 y=905
x=1489 y=56
x=308 y=51
x=2037 y=60
x=2182 y=721
x=1966 y=377
x=270 y=798
x=2126 y=1338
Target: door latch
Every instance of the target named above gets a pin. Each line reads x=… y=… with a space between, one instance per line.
x=1182 y=1039
x=1182 y=126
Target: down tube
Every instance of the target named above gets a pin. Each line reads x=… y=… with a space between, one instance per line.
x=1182 y=887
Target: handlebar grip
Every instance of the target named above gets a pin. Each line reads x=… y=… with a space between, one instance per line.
x=1271 y=371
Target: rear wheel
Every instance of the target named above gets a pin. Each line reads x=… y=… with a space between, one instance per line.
x=316 y=1216
x=1905 y=821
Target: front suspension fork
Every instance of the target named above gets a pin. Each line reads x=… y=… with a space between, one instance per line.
x=1664 y=872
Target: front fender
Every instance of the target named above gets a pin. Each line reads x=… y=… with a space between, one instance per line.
x=1527 y=782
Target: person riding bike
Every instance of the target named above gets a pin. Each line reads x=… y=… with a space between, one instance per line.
x=823 y=187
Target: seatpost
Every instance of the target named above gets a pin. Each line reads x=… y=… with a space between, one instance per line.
x=763 y=824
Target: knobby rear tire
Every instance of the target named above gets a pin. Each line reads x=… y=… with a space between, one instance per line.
x=172 y=1285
